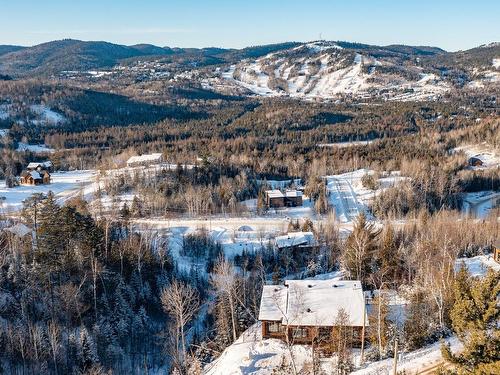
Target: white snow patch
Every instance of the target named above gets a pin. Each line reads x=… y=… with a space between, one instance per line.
x=479 y=265
x=37 y=149
x=47 y=116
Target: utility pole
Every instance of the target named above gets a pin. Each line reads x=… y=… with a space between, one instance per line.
x=395 y=368
x=362 y=359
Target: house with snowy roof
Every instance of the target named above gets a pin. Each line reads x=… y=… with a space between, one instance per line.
x=144 y=160
x=308 y=311
x=294 y=240
x=276 y=198
x=39 y=166
x=41 y=177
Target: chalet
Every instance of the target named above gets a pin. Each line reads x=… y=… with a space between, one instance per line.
x=275 y=199
x=306 y=311
x=34 y=177
x=496 y=251
x=295 y=240
x=474 y=161
x=293 y=198
x=145 y=160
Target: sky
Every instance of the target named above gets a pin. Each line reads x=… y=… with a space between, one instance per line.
x=449 y=24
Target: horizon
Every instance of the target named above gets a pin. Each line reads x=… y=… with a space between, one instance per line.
x=230 y=25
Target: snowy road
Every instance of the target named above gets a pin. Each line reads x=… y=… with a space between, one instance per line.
x=343 y=198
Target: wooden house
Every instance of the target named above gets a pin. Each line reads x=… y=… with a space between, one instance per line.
x=295 y=240
x=307 y=311
x=275 y=199
x=496 y=251
x=293 y=198
x=41 y=177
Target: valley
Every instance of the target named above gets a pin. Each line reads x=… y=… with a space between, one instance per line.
x=157 y=203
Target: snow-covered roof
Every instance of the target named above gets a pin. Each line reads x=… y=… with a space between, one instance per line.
x=35 y=175
x=145 y=158
x=313 y=302
x=19 y=229
x=293 y=193
x=274 y=193
x=35 y=165
x=273 y=302
x=294 y=239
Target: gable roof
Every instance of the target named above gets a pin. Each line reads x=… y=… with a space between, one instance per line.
x=293 y=193
x=145 y=158
x=274 y=193
x=294 y=239
x=35 y=175
x=313 y=302
x=43 y=164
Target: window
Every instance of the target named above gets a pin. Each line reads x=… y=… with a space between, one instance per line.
x=299 y=333
x=274 y=327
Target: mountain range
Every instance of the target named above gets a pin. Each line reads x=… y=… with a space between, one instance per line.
x=312 y=70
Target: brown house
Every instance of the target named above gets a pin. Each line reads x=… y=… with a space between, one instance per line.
x=293 y=198
x=275 y=199
x=41 y=177
x=496 y=251
x=306 y=311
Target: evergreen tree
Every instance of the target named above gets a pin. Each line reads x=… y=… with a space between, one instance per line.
x=87 y=354
x=360 y=247
x=475 y=317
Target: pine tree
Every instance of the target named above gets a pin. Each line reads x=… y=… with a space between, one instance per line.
x=475 y=316
x=87 y=354
x=358 y=256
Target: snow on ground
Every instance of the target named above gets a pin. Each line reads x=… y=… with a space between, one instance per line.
x=496 y=63
x=3 y=132
x=412 y=362
x=46 y=115
x=478 y=265
x=480 y=204
x=349 y=197
x=346 y=144
x=486 y=153
x=251 y=354
x=64 y=185
x=37 y=149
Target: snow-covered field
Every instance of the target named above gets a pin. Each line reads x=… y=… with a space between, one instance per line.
x=36 y=149
x=489 y=156
x=480 y=204
x=46 y=115
x=64 y=185
x=346 y=144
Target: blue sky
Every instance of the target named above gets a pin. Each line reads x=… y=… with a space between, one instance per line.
x=452 y=25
